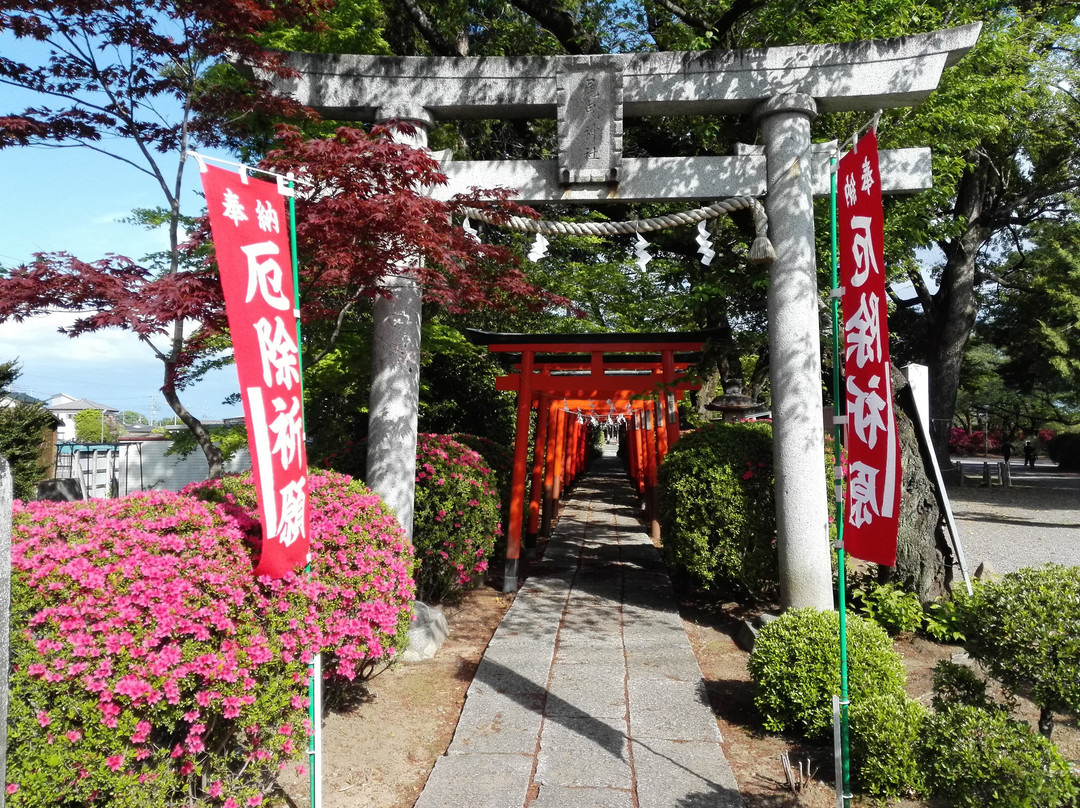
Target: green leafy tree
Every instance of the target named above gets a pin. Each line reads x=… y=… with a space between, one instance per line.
x=457 y=388
x=132 y=418
x=229 y=439
x=24 y=433
x=1034 y=320
x=96 y=426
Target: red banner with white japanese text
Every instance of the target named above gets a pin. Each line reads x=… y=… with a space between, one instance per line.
x=872 y=502
x=251 y=240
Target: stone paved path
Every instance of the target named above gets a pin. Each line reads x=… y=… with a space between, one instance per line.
x=589 y=695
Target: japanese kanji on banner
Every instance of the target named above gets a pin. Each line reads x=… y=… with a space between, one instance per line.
x=251 y=239
x=873 y=446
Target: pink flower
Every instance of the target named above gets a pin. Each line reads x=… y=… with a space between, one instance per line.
x=73 y=735
x=215 y=789
x=142 y=730
x=12 y=788
x=43 y=718
x=116 y=762
x=256 y=800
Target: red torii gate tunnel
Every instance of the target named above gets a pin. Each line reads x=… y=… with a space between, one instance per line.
x=570 y=380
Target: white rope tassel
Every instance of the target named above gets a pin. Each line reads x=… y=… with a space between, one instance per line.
x=539 y=248
x=470 y=231
x=641 y=252
x=704 y=244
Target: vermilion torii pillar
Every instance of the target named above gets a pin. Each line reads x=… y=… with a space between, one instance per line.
x=782 y=89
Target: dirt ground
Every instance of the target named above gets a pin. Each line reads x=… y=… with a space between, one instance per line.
x=379 y=753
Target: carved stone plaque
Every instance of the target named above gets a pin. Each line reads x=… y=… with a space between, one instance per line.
x=590 y=120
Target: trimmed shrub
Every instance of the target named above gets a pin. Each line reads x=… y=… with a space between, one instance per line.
x=1064 y=449
x=1022 y=628
x=500 y=460
x=456 y=517
x=795 y=667
x=148 y=667
x=885 y=731
x=361 y=567
x=717 y=510
x=955 y=684
x=977 y=758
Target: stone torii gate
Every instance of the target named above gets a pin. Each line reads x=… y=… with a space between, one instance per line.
x=782 y=88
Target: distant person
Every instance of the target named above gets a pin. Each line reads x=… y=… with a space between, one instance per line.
x=1006 y=451
x=1029 y=454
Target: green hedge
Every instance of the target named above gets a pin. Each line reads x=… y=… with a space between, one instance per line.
x=1064 y=449
x=1023 y=628
x=884 y=732
x=717 y=509
x=795 y=667
x=978 y=758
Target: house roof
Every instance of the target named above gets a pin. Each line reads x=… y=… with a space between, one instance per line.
x=19 y=398
x=78 y=405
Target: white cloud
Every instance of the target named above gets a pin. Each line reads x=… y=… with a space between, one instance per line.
x=112 y=367
x=38 y=340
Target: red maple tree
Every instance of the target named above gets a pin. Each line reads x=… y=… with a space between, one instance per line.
x=364 y=217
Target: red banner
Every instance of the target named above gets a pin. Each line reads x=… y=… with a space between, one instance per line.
x=872 y=502
x=251 y=239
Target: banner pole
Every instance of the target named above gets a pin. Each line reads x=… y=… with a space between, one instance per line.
x=315 y=667
x=843 y=787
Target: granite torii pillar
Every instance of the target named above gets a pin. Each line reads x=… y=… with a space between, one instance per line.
x=393 y=406
x=782 y=87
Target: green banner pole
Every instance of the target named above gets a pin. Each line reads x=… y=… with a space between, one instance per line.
x=838 y=433
x=315 y=668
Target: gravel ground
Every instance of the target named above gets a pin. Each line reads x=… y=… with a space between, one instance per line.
x=1036 y=521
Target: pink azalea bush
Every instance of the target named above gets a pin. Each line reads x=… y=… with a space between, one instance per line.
x=150 y=668
x=456 y=517
x=962 y=442
x=361 y=588
x=500 y=460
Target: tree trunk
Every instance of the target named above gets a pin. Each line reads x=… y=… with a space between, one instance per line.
x=952 y=315
x=214 y=462
x=1046 y=722
x=710 y=383
x=922 y=553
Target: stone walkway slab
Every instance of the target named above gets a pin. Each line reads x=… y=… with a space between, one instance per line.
x=589 y=695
